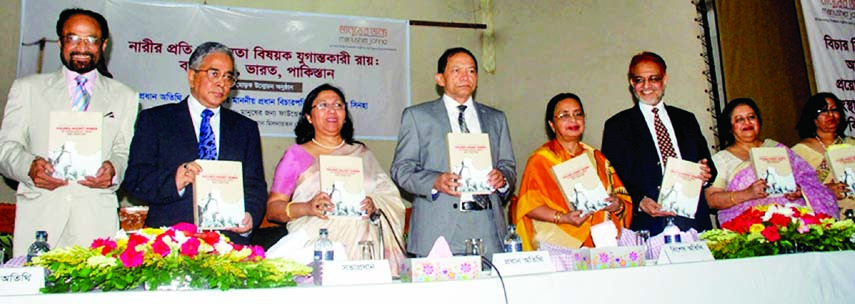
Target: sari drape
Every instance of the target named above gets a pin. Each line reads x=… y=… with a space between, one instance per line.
x=823 y=171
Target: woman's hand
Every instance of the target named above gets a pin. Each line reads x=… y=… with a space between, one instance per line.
x=615 y=204
x=574 y=218
x=840 y=190
x=319 y=206
x=368 y=206
x=756 y=190
x=794 y=195
x=651 y=207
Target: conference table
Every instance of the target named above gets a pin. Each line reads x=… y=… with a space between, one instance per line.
x=814 y=277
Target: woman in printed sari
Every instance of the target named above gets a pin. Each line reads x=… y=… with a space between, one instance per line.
x=821 y=125
x=737 y=188
x=544 y=217
x=325 y=128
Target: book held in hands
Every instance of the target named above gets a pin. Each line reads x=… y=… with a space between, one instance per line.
x=218 y=201
x=469 y=157
x=74 y=142
x=343 y=179
x=578 y=180
x=681 y=187
x=841 y=159
x=772 y=164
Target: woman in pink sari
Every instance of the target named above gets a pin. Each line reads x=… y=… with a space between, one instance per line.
x=325 y=128
x=737 y=188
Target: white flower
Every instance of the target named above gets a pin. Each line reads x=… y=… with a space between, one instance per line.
x=100 y=261
x=222 y=247
x=852 y=238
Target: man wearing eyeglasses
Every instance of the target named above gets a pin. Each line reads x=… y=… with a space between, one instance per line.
x=72 y=212
x=169 y=138
x=639 y=140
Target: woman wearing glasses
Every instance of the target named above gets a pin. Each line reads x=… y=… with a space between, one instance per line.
x=325 y=128
x=545 y=220
x=821 y=125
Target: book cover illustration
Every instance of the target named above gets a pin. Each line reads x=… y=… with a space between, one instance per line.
x=74 y=144
x=841 y=159
x=218 y=195
x=469 y=157
x=343 y=179
x=578 y=180
x=772 y=164
x=681 y=187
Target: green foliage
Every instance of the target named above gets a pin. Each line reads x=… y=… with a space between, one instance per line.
x=829 y=235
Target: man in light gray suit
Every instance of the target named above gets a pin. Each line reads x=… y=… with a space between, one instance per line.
x=421 y=163
x=72 y=213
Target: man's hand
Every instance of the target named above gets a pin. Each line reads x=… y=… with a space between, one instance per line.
x=40 y=173
x=103 y=179
x=244 y=227
x=496 y=179
x=447 y=183
x=186 y=174
x=653 y=208
x=705 y=171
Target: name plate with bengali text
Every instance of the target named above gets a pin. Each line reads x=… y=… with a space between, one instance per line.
x=21 y=280
x=676 y=253
x=527 y=262
x=356 y=272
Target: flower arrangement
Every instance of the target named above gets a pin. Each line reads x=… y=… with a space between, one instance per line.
x=773 y=229
x=155 y=257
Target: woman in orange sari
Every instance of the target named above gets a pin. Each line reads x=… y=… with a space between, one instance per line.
x=543 y=215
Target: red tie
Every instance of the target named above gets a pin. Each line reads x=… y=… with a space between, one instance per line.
x=666 y=148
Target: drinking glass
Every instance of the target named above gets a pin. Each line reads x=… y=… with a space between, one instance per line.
x=367 y=250
x=474 y=246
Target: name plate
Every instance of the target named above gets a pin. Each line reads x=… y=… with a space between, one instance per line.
x=21 y=280
x=527 y=262
x=356 y=272
x=676 y=253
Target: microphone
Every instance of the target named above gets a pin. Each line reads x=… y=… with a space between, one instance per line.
x=375 y=220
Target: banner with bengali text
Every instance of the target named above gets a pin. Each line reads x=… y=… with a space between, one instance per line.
x=830 y=26
x=280 y=56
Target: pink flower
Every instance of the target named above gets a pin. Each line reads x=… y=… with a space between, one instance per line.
x=190 y=247
x=187 y=228
x=257 y=252
x=131 y=257
x=159 y=246
x=106 y=245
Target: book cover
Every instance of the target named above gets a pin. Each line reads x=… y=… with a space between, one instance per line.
x=218 y=201
x=577 y=178
x=841 y=159
x=681 y=187
x=343 y=179
x=772 y=164
x=469 y=157
x=74 y=144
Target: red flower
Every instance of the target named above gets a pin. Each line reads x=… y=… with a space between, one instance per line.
x=190 y=247
x=136 y=239
x=779 y=220
x=209 y=237
x=106 y=245
x=160 y=247
x=188 y=228
x=771 y=233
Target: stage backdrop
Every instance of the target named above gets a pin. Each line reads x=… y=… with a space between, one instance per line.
x=280 y=57
x=830 y=26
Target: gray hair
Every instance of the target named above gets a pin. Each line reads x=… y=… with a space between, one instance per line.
x=204 y=49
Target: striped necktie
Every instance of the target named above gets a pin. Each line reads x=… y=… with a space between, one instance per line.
x=80 y=101
x=460 y=120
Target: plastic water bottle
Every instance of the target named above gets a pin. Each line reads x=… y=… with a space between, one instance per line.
x=323 y=252
x=38 y=247
x=512 y=240
x=672 y=233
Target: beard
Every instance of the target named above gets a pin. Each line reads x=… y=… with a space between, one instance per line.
x=80 y=67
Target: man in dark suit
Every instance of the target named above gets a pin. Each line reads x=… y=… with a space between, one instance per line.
x=161 y=168
x=421 y=163
x=638 y=141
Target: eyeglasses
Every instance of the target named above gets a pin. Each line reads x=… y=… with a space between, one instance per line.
x=215 y=75
x=565 y=116
x=828 y=111
x=75 y=39
x=323 y=106
x=655 y=79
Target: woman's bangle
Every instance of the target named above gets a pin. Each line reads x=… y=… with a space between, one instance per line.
x=288 y=210
x=732 y=201
x=556 y=218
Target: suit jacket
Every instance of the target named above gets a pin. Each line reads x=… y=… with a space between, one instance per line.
x=422 y=155
x=165 y=138
x=629 y=146
x=73 y=214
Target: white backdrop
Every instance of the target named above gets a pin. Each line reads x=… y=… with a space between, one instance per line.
x=830 y=26
x=280 y=57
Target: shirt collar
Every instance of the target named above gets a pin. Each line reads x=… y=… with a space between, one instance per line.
x=91 y=76
x=196 y=107
x=646 y=108
x=452 y=104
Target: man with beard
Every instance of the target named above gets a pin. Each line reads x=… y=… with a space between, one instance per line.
x=72 y=212
x=639 y=140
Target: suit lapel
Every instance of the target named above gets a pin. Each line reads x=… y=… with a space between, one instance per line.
x=57 y=87
x=227 y=136
x=186 y=133
x=442 y=116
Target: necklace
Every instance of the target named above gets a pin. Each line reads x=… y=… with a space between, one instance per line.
x=329 y=147
x=824 y=148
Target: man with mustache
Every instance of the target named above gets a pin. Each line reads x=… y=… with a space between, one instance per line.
x=169 y=138
x=639 y=140
x=72 y=212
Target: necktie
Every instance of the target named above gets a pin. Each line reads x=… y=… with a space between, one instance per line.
x=80 y=101
x=666 y=148
x=460 y=120
x=207 y=140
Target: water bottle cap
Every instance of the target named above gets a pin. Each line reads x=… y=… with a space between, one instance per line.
x=41 y=233
x=324 y=231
